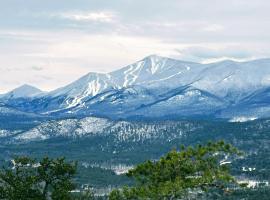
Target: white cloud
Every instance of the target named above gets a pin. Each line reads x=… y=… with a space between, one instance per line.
x=222 y=58
x=67 y=39
x=69 y=55
x=214 y=52
x=63 y=56
x=88 y=16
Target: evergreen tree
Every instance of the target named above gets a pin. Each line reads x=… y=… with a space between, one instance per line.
x=32 y=180
x=188 y=173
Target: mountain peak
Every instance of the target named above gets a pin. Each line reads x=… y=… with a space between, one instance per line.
x=154 y=56
x=27 y=86
x=23 y=91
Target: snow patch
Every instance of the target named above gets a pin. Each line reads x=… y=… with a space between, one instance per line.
x=130 y=76
x=242 y=119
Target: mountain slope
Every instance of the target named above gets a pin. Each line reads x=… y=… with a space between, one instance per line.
x=23 y=91
x=186 y=102
x=87 y=86
x=235 y=80
x=153 y=70
x=147 y=73
x=255 y=105
x=152 y=87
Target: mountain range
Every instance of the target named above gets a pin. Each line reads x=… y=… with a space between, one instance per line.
x=155 y=87
x=139 y=113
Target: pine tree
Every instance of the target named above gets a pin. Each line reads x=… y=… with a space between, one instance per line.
x=32 y=180
x=186 y=173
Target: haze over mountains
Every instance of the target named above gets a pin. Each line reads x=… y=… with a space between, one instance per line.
x=157 y=87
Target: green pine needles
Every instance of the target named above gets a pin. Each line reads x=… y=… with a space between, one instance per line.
x=190 y=172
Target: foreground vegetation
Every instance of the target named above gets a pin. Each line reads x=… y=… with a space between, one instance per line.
x=199 y=172
x=101 y=152
x=190 y=172
x=46 y=179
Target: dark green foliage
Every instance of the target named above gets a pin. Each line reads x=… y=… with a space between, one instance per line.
x=20 y=182
x=195 y=169
x=29 y=179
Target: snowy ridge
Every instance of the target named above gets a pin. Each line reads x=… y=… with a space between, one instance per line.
x=87 y=86
x=23 y=91
x=224 y=89
x=119 y=131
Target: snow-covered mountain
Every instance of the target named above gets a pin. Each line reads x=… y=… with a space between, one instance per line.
x=6 y=111
x=157 y=87
x=118 y=131
x=150 y=72
x=24 y=91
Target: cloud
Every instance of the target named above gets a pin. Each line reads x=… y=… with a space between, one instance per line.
x=67 y=39
x=64 y=56
x=105 y=17
x=217 y=52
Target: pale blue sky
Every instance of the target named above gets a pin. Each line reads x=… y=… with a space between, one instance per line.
x=51 y=43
